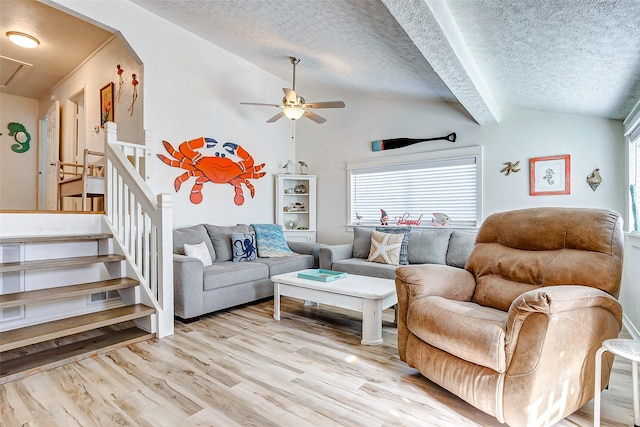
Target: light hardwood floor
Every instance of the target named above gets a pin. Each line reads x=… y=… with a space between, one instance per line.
x=242 y=368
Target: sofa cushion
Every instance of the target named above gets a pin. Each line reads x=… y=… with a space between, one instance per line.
x=361 y=242
x=429 y=246
x=404 y=249
x=460 y=245
x=192 y=236
x=385 y=248
x=199 y=251
x=244 y=247
x=229 y=273
x=221 y=239
x=467 y=330
x=287 y=264
x=363 y=267
x=271 y=241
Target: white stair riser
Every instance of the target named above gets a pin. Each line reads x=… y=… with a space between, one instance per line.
x=29 y=224
x=45 y=312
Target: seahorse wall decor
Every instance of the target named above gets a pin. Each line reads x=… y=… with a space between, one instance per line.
x=20 y=135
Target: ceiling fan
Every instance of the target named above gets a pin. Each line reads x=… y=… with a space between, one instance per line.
x=294 y=106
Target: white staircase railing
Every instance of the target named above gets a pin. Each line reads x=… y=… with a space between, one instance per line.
x=142 y=225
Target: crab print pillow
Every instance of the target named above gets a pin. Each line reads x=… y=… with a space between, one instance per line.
x=244 y=247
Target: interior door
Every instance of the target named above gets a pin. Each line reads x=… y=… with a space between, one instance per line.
x=53 y=147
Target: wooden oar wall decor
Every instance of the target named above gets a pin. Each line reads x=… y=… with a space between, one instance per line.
x=390 y=144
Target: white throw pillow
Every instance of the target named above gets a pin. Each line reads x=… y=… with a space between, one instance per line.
x=199 y=251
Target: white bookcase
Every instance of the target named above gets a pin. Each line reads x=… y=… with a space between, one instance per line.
x=296 y=206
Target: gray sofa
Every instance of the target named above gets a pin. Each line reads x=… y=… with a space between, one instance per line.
x=425 y=246
x=200 y=290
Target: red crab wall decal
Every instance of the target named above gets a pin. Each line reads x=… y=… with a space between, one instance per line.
x=218 y=168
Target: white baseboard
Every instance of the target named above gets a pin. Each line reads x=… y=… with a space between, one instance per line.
x=633 y=331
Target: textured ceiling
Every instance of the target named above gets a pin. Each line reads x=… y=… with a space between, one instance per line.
x=567 y=56
x=65 y=42
x=354 y=44
x=570 y=56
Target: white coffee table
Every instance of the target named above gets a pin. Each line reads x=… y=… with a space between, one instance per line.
x=369 y=295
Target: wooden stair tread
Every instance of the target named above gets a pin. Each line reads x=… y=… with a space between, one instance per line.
x=64 y=327
x=57 y=262
x=64 y=292
x=51 y=358
x=54 y=238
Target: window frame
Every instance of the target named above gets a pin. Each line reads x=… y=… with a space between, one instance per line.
x=475 y=151
x=632 y=137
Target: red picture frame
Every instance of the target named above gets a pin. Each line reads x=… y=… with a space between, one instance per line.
x=549 y=176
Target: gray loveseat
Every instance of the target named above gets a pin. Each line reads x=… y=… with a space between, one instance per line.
x=425 y=246
x=200 y=290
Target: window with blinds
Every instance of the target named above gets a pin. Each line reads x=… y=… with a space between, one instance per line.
x=632 y=132
x=413 y=190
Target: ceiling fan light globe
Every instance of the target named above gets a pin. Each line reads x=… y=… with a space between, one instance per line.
x=293 y=113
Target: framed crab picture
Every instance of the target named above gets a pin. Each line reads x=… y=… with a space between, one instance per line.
x=550 y=175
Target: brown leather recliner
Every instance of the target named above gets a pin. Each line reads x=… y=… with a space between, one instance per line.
x=515 y=333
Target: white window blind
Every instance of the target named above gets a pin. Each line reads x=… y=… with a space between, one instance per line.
x=448 y=186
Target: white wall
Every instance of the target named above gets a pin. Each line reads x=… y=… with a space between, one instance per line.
x=97 y=71
x=18 y=177
x=348 y=133
x=192 y=89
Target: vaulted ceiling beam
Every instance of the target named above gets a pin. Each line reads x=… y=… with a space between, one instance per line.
x=431 y=26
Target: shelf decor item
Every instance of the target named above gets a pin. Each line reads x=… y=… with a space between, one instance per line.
x=321 y=275
x=550 y=175
x=296 y=206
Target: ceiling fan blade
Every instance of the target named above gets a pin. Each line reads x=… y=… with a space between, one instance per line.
x=276 y=117
x=258 y=103
x=313 y=116
x=329 y=104
x=290 y=95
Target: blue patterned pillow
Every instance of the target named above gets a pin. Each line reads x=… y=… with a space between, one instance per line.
x=244 y=247
x=271 y=241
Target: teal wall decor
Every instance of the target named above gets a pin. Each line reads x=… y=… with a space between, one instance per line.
x=634 y=207
x=21 y=136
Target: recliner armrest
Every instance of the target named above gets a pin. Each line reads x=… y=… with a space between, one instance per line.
x=571 y=312
x=331 y=253
x=557 y=299
x=428 y=280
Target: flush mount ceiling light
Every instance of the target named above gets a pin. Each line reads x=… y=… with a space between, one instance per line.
x=23 y=40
